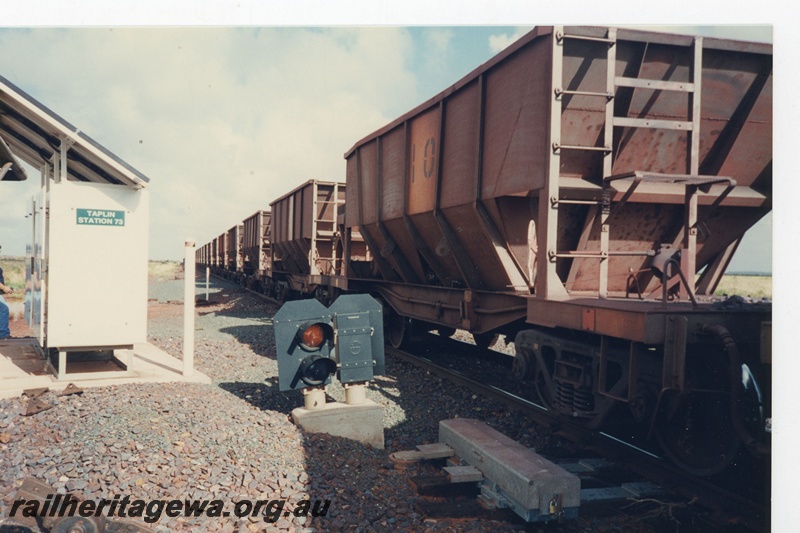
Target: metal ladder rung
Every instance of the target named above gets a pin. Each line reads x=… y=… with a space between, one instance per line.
x=557 y=147
x=556 y=201
x=660 y=85
x=561 y=36
x=599 y=254
x=684 y=179
x=559 y=91
x=625 y=122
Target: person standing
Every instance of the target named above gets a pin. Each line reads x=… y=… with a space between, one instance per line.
x=4 y=312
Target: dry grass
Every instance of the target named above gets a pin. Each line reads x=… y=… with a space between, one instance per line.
x=163 y=270
x=14 y=274
x=753 y=286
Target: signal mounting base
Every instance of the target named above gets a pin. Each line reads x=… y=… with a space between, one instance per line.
x=314 y=398
x=362 y=422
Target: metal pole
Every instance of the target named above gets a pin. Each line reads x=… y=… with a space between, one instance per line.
x=188 y=309
x=208 y=274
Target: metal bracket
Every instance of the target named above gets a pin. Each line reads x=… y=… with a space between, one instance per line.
x=675 y=336
x=35 y=406
x=70 y=389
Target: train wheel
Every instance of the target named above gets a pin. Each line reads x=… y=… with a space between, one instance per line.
x=699 y=435
x=522 y=367
x=445 y=332
x=535 y=361
x=695 y=429
x=399 y=330
x=543 y=362
x=484 y=341
x=281 y=293
x=321 y=296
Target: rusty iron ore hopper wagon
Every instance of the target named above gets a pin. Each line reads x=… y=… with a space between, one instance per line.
x=306 y=252
x=256 y=249
x=221 y=257
x=233 y=261
x=583 y=192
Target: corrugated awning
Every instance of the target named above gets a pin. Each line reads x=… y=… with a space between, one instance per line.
x=10 y=169
x=33 y=133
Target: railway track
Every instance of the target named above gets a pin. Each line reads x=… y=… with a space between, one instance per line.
x=726 y=506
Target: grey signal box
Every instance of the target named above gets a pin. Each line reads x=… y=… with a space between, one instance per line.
x=358 y=322
x=313 y=342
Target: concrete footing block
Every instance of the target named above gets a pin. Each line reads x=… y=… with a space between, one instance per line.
x=535 y=488
x=362 y=422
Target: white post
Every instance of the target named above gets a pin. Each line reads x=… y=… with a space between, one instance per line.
x=188 y=309
x=208 y=272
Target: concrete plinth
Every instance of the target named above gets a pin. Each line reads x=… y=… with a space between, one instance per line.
x=23 y=367
x=535 y=488
x=362 y=422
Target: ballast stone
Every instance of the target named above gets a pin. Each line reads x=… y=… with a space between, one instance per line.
x=522 y=475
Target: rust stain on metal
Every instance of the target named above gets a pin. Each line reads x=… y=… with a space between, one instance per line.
x=423 y=160
x=588 y=319
x=36 y=406
x=70 y=389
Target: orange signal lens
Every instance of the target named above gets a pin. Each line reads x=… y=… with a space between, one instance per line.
x=313 y=336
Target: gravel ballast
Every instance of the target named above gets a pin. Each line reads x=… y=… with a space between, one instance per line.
x=233 y=439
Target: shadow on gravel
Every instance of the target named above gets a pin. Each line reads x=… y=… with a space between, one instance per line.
x=250 y=314
x=364 y=491
x=259 y=337
x=266 y=396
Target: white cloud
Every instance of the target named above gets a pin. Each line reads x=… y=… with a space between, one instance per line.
x=501 y=41
x=221 y=120
x=436 y=53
